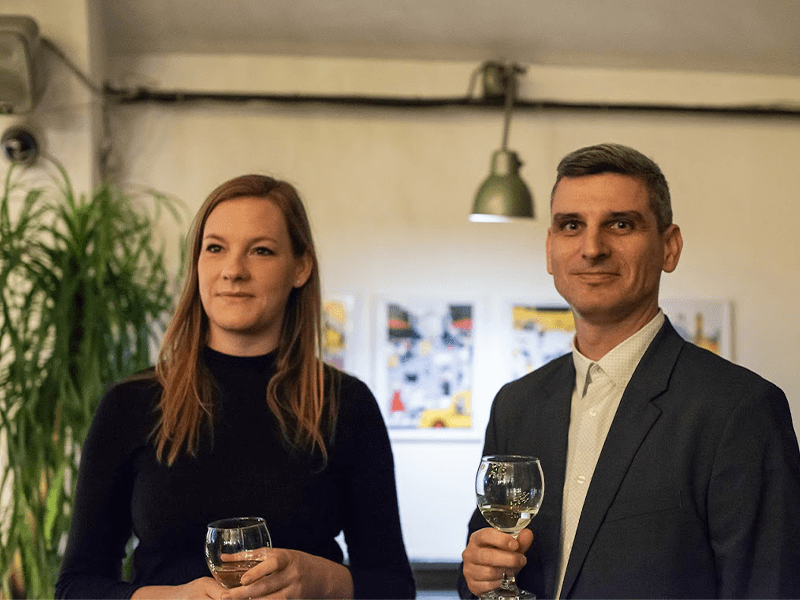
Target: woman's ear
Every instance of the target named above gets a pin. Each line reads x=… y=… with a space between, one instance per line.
x=304 y=266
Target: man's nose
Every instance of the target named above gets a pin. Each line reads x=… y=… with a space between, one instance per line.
x=595 y=245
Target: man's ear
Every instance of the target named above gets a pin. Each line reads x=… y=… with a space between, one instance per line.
x=673 y=244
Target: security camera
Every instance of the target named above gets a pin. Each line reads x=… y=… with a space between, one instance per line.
x=19 y=145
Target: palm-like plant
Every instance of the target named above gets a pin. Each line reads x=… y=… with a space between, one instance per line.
x=84 y=293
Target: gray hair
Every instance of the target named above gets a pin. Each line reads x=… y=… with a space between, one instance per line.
x=616 y=158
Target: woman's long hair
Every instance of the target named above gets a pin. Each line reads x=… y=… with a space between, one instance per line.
x=303 y=407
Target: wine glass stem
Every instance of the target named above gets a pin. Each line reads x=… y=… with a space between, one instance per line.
x=509 y=582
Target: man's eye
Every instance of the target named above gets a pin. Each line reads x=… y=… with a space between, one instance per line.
x=569 y=226
x=623 y=225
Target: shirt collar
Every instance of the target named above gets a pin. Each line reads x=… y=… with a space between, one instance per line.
x=620 y=362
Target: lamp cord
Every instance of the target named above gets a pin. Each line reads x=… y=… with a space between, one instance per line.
x=510 y=85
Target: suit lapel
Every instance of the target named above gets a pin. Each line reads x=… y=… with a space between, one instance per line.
x=635 y=416
x=552 y=424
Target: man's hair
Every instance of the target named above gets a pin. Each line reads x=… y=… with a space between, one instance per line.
x=616 y=158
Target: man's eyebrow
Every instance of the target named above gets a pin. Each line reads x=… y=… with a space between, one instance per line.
x=562 y=217
x=630 y=215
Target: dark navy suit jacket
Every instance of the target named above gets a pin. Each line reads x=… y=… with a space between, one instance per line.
x=696 y=493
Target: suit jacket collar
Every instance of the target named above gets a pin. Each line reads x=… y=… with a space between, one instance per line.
x=552 y=423
x=635 y=416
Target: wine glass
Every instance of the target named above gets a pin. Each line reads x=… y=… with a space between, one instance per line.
x=509 y=491
x=234 y=546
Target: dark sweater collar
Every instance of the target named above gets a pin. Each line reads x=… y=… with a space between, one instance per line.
x=226 y=364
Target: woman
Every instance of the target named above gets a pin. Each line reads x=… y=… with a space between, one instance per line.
x=240 y=418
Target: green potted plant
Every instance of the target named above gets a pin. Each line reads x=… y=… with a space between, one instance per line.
x=84 y=293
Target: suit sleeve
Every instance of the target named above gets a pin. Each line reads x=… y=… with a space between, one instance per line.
x=754 y=499
x=491 y=445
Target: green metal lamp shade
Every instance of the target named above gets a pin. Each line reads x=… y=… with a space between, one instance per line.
x=503 y=195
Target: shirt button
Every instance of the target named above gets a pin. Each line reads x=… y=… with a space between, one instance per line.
x=593 y=412
x=581 y=479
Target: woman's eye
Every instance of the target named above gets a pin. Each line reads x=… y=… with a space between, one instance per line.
x=264 y=251
x=213 y=248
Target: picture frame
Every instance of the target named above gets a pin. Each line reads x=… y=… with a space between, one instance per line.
x=339 y=318
x=424 y=351
x=537 y=330
x=704 y=322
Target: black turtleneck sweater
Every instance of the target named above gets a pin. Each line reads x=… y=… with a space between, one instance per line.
x=245 y=470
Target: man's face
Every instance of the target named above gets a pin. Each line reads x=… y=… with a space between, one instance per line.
x=604 y=249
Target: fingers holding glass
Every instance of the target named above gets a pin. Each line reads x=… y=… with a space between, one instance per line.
x=234 y=546
x=509 y=492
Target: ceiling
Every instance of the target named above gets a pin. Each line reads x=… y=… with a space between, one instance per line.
x=755 y=36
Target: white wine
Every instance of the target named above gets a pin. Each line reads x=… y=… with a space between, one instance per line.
x=230 y=574
x=508 y=519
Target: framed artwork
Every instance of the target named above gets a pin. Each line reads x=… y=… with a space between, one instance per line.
x=424 y=366
x=706 y=323
x=539 y=333
x=338 y=317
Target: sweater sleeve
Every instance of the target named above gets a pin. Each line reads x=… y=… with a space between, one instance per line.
x=377 y=557
x=101 y=518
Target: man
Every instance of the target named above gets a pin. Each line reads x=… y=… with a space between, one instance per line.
x=669 y=471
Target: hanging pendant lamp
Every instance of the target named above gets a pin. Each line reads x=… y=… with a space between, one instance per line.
x=503 y=195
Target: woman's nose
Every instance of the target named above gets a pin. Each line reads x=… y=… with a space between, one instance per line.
x=235 y=268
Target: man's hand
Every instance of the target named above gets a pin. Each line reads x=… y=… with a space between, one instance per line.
x=489 y=554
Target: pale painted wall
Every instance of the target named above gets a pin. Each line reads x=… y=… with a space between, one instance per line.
x=389 y=190
x=66 y=119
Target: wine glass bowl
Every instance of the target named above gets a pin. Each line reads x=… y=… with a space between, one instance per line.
x=234 y=546
x=509 y=492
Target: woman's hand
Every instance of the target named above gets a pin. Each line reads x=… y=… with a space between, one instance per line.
x=294 y=574
x=489 y=554
x=205 y=587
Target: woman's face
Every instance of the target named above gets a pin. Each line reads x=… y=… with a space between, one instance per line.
x=246 y=271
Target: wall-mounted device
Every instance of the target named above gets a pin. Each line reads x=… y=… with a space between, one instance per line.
x=19 y=145
x=21 y=73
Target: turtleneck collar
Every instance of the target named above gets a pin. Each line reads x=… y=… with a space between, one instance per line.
x=220 y=363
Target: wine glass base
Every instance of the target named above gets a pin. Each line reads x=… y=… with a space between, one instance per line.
x=508 y=594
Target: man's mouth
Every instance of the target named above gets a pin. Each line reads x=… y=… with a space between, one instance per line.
x=595 y=275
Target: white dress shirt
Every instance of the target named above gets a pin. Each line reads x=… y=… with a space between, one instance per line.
x=599 y=386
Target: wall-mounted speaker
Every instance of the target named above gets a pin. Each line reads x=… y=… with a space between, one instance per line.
x=21 y=73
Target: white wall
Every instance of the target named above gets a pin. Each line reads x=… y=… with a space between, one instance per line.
x=389 y=190
x=66 y=118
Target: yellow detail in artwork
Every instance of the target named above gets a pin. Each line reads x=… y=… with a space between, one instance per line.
x=458 y=414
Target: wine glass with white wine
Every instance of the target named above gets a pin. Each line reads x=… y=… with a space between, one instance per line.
x=510 y=491
x=234 y=546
